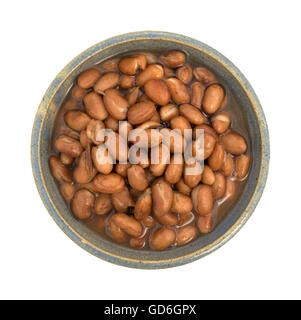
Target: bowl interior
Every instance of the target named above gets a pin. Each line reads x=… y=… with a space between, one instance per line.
x=81 y=234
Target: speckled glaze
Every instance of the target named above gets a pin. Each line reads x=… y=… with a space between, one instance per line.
x=109 y=251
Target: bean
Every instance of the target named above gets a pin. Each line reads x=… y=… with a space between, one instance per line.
x=204 y=75
x=95 y=131
x=178 y=90
x=242 y=164
x=116 y=233
x=157 y=91
x=130 y=65
x=122 y=200
x=137 y=178
x=192 y=174
x=221 y=122
x=234 y=143
x=127 y=82
x=173 y=59
x=219 y=186
x=197 y=93
x=122 y=169
x=66 y=159
x=141 y=112
x=76 y=120
x=153 y=71
x=102 y=160
x=82 y=204
x=208 y=176
x=180 y=123
x=128 y=224
x=181 y=203
x=213 y=98
x=182 y=187
x=87 y=78
x=168 y=219
x=157 y=168
x=168 y=112
x=111 y=123
x=205 y=223
x=228 y=165
x=116 y=104
x=216 y=159
x=68 y=190
x=94 y=106
x=143 y=206
x=68 y=146
x=184 y=73
x=162 y=238
x=107 y=81
x=132 y=96
x=202 y=198
x=84 y=172
x=78 y=93
x=230 y=189
x=186 y=234
x=103 y=204
x=192 y=114
x=174 y=170
x=109 y=183
x=162 y=197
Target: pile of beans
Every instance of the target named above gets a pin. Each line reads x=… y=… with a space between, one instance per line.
x=147 y=205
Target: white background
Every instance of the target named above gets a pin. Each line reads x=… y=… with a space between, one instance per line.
x=38 y=38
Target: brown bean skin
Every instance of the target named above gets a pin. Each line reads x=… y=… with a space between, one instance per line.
x=174 y=170
x=78 y=93
x=216 y=159
x=94 y=106
x=206 y=129
x=221 y=122
x=143 y=207
x=116 y=104
x=204 y=75
x=186 y=234
x=153 y=71
x=182 y=187
x=180 y=123
x=82 y=204
x=130 y=65
x=141 y=112
x=202 y=198
x=76 y=120
x=84 y=172
x=137 y=178
x=228 y=166
x=168 y=112
x=213 y=98
x=116 y=233
x=192 y=180
x=234 y=143
x=111 y=123
x=122 y=169
x=132 y=96
x=230 y=189
x=178 y=90
x=103 y=204
x=128 y=224
x=85 y=141
x=197 y=93
x=109 y=183
x=149 y=222
x=205 y=223
x=138 y=243
x=181 y=203
x=107 y=81
x=87 y=78
x=68 y=145
x=157 y=169
x=95 y=131
x=66 y=159
x=242 y=165
x=208 y=176
x=184 y=73
x=110 y=65
x=68 y=190
x=168 y=219
x=59 y=170
x=102 y=160
x=162 y=238
x=173 y=59
x=162 y=197
x=219 y=186
x=122 y=200
x=127 y=82
x=192 y=114
x=156 y=117
x=157 y=91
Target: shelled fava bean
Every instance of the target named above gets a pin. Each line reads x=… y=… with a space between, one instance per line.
x=145 y=204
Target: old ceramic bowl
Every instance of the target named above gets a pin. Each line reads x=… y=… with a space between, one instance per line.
x=251 y=110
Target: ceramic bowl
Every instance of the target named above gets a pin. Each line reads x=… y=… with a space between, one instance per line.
x=251 y=110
